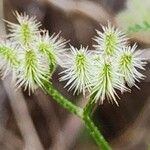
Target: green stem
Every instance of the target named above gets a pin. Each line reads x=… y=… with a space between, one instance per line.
x=84 y=114
x=96 y=134
x=88 y=109
x=60 y=99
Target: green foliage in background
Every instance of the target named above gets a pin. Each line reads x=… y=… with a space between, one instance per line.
x=136 y=16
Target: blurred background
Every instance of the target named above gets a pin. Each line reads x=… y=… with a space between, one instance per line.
x=36 y=122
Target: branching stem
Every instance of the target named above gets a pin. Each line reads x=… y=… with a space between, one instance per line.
x=83 y=113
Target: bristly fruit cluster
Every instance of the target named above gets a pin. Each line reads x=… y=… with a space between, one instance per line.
x=29 y=53
x=32 y=55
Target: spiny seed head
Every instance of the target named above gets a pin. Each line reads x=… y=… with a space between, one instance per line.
x=105 y=81
x=101 y=72
x=32 y=71
x=77 y=69
x=8 y=57
x=24 y=32
x=130 y=62
x=38 y=53
x=52 y=47
x=110 y=41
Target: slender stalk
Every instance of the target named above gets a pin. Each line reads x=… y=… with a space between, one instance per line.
x=84 y=114
x=94 y=131
x=60 y=99
x=96 y=134
x=88 y=109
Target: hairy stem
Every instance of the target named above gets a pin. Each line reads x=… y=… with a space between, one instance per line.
x=60 y=99
x=96 y=134
x=94 y=131
x=84 y=114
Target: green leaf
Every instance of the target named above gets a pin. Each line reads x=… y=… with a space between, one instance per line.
x=141 y=27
